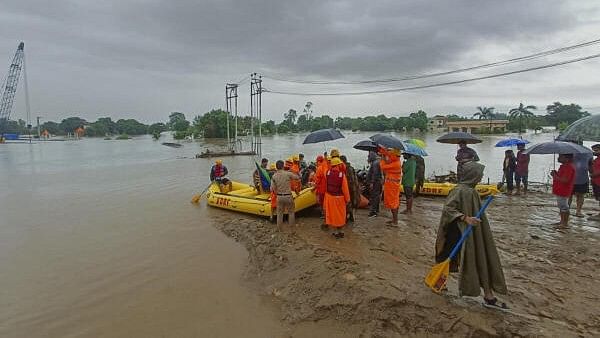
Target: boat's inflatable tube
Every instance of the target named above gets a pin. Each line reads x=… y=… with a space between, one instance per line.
x=244 y=198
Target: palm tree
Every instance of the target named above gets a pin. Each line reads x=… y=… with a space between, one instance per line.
x=485 y=113
x=521 y=112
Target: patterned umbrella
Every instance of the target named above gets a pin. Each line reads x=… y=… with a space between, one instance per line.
x=413 y=149
x=585 y=129
x=419 y=143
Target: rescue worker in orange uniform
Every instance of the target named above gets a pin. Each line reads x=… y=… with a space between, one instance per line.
x=320 y=183
x=391 y=167
x=337 y=196
x=334 y=153
x=294 y=167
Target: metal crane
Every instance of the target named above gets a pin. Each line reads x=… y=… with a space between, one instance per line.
x=10 y=86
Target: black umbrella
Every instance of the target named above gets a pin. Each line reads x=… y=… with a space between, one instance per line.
x=366 y=145
x=457 y=137
x=323 y=135
x=557 y=147
x=388 y=141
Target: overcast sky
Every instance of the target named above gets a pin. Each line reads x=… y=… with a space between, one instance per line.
x=144 y=59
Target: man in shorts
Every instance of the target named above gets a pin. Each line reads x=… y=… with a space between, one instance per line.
x=563 y=181
x=582 y=164
x=595 y=176
x=522 y=169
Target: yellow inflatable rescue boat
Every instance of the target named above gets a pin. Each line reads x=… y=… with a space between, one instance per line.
x=443 y=189
x=245 y=198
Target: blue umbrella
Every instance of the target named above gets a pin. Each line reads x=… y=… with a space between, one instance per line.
x=511 y=142
x=414 y=150
x=323 y=135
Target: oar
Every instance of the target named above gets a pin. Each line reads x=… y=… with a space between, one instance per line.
x=438 y=276
x=196 y=197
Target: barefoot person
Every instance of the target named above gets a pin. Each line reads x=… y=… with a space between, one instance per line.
x=374 y=180
x=409 y=168
x=582 y=163
x=281 y=185
x=508 y=166
x=478 y=261
x=353 y=187
x=337 y=196
x=392 y=172
x=521 y=169
x=563 y=182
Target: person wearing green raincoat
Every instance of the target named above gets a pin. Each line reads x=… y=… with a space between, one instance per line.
x=478 y=262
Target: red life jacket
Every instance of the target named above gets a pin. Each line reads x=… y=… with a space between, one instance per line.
x=219 y=172
x=334 y=182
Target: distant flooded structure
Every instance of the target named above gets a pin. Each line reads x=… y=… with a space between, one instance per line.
x=441 y=124
x=478 y=126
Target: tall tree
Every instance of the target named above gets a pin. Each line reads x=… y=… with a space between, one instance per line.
x=566 y=114
x=307 y=109
x=290 y=118
x=521 y=112
x=177 y=122
x=485 y=113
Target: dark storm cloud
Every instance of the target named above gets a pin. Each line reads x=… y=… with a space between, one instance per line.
x=305 y=37
x=155 y=56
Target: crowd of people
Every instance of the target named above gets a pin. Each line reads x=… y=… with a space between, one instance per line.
x=338 y=188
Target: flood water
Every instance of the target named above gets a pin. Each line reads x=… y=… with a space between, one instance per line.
x=98 y=237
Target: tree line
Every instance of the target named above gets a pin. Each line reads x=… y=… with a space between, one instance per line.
x=213 y=124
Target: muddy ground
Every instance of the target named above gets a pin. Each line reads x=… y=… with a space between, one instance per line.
x=371 y=281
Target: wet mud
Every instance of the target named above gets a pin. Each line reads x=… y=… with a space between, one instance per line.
x=371 y=282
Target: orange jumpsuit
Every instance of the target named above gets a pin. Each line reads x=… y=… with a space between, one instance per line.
x=320 y=180
x=393 y=176
x=296 y=185
x=335 y=201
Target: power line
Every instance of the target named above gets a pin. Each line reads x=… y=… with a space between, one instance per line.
x=437 y=84
x=415 y=77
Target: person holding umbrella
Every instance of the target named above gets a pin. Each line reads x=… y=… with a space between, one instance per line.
x=562 y=186
x=409 y=168
x=521 y=169
x=464 y=154
x=374 y=180
x=392 y=171
x=508 y=166
x=420 y=174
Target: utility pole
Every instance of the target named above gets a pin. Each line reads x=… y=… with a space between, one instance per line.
x=256 y=111
x=231 y=103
